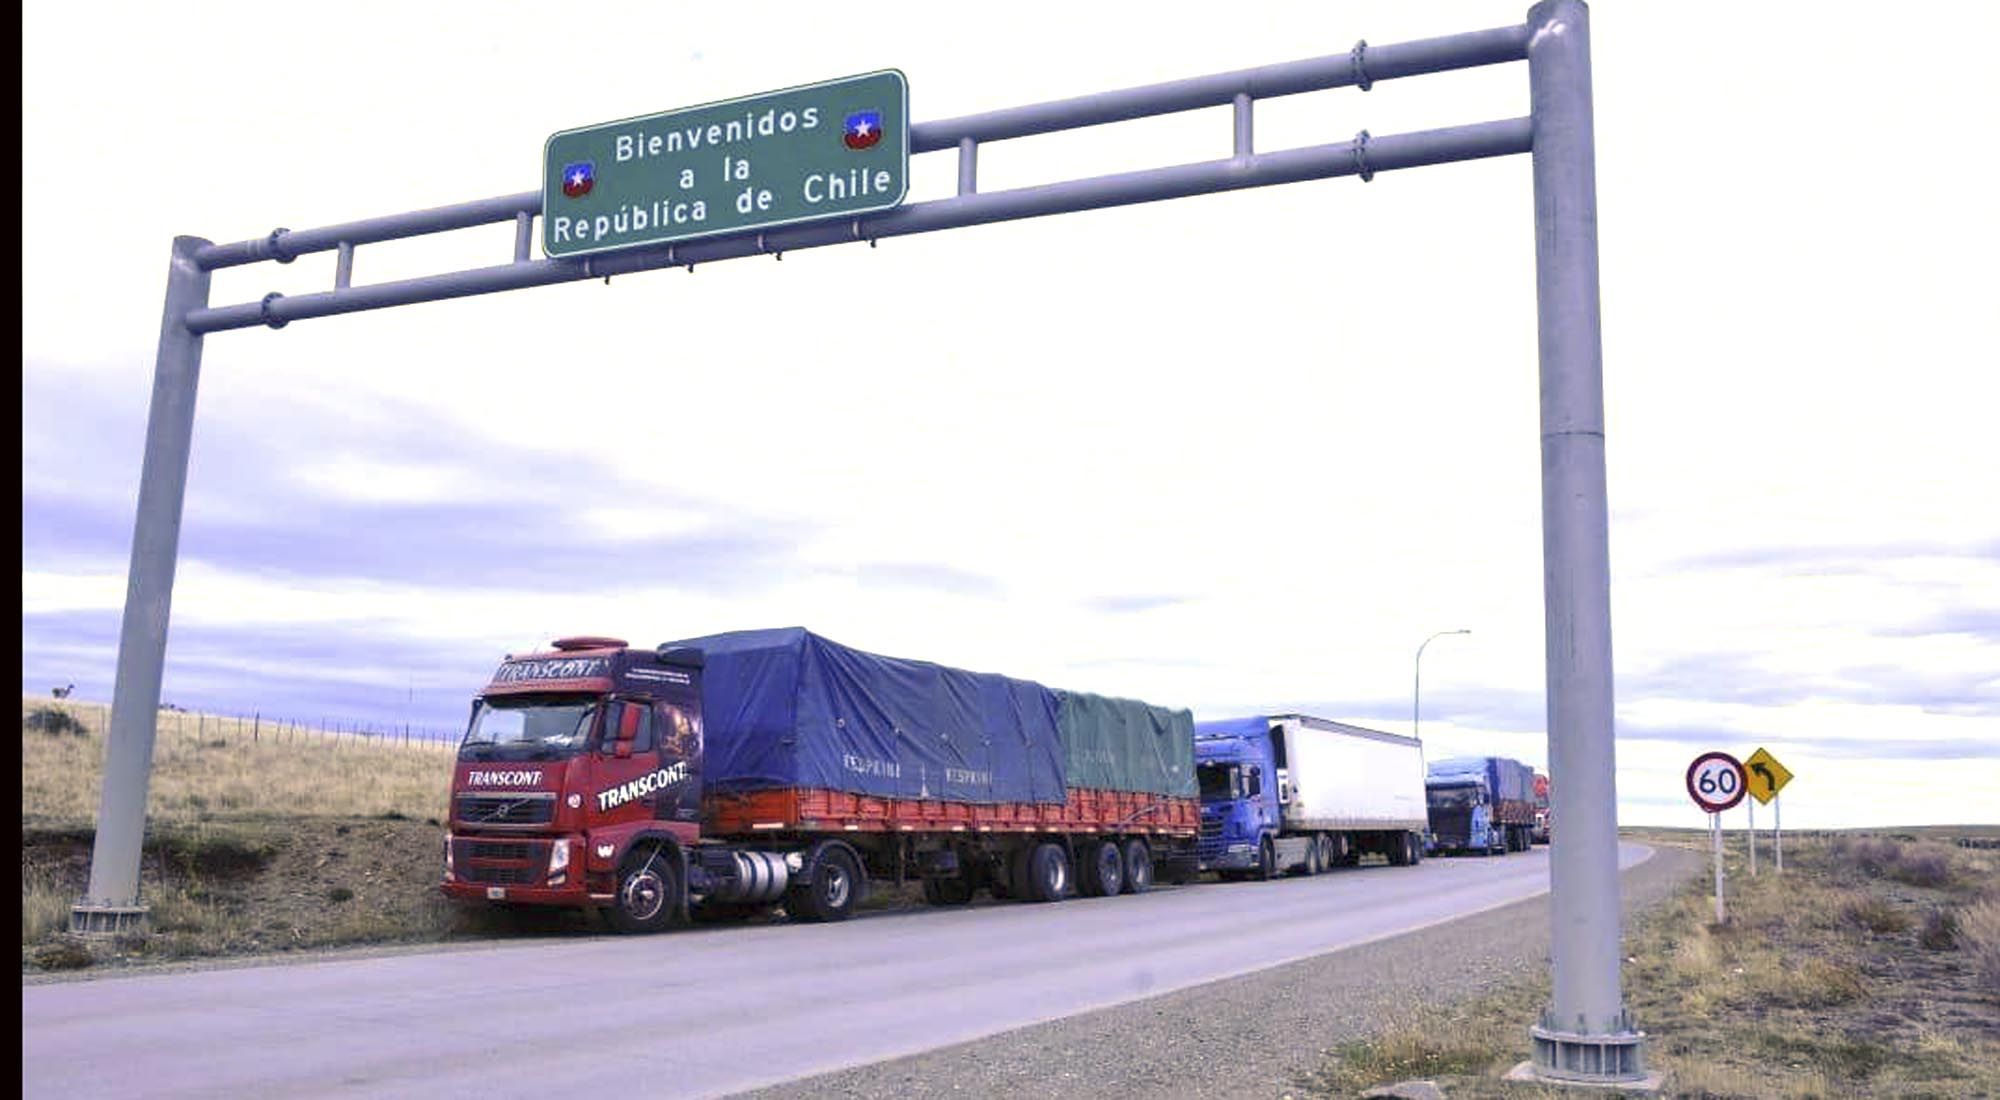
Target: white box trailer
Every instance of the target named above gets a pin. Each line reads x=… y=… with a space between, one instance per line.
x=1292 y=792
x=1346 y=778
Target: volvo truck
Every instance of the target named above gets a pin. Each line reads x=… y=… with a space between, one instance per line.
x=716 y=777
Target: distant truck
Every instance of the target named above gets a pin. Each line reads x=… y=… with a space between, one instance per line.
x=1483 y=804
x=720 y=776
x=1541 y=833
x=1291 y=792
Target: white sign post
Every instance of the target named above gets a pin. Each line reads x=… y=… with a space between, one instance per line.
x=1715 y=782
x=1765 y=777
x=1778 y=835
x=1752 y=807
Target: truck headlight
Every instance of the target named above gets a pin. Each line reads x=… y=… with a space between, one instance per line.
x=558 y=862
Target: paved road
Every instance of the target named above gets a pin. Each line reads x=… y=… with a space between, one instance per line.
x=714 y=1011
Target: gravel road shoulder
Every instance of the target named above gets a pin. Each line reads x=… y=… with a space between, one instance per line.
x=1247 y=1036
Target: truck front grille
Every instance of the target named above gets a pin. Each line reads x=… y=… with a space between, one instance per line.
x=511 y=809
x=499 y=876
x=1451 y=827
x=1209 y=845
x=499 y=862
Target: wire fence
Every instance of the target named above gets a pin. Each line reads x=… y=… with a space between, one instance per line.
x=256 y=727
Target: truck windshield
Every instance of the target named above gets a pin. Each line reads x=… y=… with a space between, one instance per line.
x=528 y=727
x=1462 y=797
x=1215 y=782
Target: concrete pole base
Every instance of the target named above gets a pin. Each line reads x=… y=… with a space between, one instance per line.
x=89 y=918
x=1600 y=1061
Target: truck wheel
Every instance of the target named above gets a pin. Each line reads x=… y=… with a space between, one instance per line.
x=1313 y=863
x=1103 y=869
x=1416 y=849
x=1267 y=860
x=1048 y=872
x=649 y=890
x=831 y=894
x=1138 y=866
x=1397 y=848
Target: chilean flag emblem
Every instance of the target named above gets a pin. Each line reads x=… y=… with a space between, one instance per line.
x=579 y=178
x=864 y=129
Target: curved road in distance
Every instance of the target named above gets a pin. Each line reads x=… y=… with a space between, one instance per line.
x=712 y=1011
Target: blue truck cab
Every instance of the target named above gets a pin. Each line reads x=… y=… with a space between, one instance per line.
x=1237 y=775
x=1461 y=811
x=1482 y=804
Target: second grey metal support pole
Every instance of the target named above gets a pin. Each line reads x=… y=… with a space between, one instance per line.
x=113 y=905
x=1586 y=1035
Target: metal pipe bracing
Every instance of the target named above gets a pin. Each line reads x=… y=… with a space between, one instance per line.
x=1430 y=55
x=1384 y=154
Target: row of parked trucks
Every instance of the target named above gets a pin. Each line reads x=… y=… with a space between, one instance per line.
x=713 y=778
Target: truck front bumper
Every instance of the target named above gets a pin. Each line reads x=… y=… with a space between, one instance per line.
x=1236 y=857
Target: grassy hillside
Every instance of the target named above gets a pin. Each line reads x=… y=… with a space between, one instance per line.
x=207 y=767
x=261 y=837
x=1870 y=968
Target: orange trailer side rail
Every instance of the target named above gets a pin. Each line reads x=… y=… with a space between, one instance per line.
x=791 y=810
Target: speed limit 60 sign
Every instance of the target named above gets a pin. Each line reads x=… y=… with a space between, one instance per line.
x=1715 y=781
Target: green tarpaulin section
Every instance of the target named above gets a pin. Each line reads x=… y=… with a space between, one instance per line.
x=1126 y=745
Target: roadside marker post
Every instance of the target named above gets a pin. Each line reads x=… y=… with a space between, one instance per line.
x=1751 y=807
x=1715 y=782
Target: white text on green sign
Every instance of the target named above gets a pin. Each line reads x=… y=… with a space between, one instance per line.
x=834 y=149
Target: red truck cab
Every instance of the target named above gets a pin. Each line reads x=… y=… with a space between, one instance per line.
x=573 y=759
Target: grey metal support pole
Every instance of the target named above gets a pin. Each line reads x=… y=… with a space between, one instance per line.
x=968 y=166
x=113 y=905
x=1586 y=1035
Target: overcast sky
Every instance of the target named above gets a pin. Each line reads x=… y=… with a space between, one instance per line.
x=1239 y=453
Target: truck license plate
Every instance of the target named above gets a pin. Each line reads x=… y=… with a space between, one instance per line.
x=496 y=893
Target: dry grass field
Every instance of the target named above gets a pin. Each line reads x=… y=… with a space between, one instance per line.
x=261 y=838
x=1870 y=968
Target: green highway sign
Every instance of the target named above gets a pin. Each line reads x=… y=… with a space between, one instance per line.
x=833 y=149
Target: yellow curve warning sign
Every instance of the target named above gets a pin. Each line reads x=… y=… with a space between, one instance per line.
x=1764 y=776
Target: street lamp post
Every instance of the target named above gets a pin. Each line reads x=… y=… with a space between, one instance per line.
x=1417 y=691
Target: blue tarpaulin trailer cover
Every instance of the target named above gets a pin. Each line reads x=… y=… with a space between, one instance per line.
x=788 y=708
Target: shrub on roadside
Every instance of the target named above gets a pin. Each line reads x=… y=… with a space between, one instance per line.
x=1979 y=938
x=1877 y=915
x=54 y=720
x=1923 y=865
x=1940 y=931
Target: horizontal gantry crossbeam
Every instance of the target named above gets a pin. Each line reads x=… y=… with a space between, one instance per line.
x=1362 y=156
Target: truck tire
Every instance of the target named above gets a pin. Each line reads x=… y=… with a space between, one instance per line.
x=649 y=890
x=1397 y=848
x=1314 y=863
x=1267 y=860
x=1103 y=871
x=1138 y=866
x=1416 y=849
x=831 y=893
x=1048 y=872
